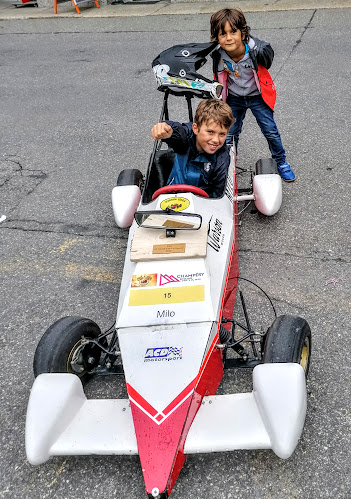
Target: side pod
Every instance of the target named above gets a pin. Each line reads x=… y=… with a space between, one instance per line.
x=125 y=201
x=267 y=187
x=126 y=196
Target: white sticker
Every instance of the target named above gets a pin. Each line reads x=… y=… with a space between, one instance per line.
x=167 y=292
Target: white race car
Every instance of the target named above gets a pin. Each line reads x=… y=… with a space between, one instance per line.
x=174 y=331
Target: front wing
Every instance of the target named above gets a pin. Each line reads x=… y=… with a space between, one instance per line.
x=61 y=421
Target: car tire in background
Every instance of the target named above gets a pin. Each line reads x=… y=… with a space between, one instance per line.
x=288 y=340
x=131 y=176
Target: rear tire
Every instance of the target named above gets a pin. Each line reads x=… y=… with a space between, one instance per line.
x=288 y=340
x=266 y=166
x=61 y=343
x=131 y=176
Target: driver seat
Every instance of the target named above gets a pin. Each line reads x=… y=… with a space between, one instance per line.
x=159 y=172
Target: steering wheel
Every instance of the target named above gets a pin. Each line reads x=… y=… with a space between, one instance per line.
x=168 y=189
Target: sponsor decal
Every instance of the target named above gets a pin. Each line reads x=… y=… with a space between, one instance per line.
x=215 y=236
x=166 y=279
x=143 y=280
x=196 y=276
x=176 y=203
x=207 y=167
x=163 y=354
x=229 y=189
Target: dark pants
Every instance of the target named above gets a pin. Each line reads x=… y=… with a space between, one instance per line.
x=265 y=119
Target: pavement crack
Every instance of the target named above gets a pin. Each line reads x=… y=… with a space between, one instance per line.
x=312 y=256
x=21 y=169
x=297 y=43
x=99 y=231
x=17 y=180
x=15 y=161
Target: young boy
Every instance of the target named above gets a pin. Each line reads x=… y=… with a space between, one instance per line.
x=202 y=157
x=241 y=64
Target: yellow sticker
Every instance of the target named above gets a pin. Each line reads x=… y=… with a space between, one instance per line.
x=182 y=294
x=175 y=203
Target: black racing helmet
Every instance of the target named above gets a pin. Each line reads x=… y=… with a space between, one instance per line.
x=176 y=68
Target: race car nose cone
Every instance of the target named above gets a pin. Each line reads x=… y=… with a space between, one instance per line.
x=155 y=494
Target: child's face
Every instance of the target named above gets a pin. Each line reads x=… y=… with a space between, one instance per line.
x=231 y=40
x=209 y=136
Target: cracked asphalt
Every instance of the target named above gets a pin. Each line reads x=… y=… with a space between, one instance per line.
x=78 y=101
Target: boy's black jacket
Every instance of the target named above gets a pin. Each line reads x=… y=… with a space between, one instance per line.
x=262 y=53
x=183 y=139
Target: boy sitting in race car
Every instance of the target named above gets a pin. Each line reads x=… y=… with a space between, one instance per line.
x=201 y=154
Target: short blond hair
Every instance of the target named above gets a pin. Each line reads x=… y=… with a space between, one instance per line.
x=214 y=110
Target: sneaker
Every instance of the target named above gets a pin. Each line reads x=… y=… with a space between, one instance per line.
x=286 y=172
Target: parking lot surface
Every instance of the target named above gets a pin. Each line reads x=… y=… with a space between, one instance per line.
x=78 y=101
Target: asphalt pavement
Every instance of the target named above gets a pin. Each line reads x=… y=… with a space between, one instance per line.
x=78 y=100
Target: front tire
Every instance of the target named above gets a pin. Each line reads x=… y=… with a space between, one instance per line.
x=288 y=340
x=62 y=348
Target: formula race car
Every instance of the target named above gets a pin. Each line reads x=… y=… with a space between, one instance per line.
x=175 y=332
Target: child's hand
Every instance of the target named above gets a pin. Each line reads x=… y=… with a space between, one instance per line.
x=161 y=131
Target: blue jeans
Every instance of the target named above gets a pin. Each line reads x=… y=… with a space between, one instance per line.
x=265 y=119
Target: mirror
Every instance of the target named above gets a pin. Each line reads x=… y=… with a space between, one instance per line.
x=168 y=220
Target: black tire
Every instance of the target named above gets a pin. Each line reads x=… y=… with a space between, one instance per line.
x=266 y=166
x=288 y=340
x=60 y=341
x=130 y=177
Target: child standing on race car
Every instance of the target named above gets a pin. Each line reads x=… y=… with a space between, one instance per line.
x=241 y=64
x=201 y=154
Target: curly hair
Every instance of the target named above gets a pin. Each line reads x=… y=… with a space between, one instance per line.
x=235 y=18
x=214 y=110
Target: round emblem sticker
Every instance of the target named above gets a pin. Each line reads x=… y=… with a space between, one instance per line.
x=175 y=204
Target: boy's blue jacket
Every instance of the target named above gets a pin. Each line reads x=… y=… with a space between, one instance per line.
x=207 y=171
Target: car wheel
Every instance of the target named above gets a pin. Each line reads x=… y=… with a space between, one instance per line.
x=63 y=348
x=130 y=176
x=288 y=340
